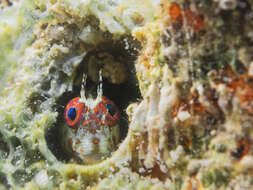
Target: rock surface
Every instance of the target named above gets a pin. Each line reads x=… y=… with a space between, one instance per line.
x=181 y=71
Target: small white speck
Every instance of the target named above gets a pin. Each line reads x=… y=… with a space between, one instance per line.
x=41 y=178
x=213 y=132
x=60 y=28
x=141 y=170
x=175 y=155
x=154 y=181
x=183 y=115
x=168 y=184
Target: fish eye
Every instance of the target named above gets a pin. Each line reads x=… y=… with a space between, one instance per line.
x=108 y=111
x=111 y=109
x=72 y=113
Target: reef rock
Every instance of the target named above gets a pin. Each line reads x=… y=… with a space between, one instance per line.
x=179 y=72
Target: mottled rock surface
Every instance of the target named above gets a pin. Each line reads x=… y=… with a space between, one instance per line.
x=181 y=73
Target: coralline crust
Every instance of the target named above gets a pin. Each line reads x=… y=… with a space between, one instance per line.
x=193 y=126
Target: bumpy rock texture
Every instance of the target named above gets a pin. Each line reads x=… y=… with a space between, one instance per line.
x=191 y=127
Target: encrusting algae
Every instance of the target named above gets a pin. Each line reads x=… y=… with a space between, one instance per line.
x=176 y=84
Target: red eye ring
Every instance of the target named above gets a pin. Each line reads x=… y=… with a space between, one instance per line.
x=78 y=108
x=111 y=119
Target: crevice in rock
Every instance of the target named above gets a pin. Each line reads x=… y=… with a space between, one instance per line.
x=124 y=50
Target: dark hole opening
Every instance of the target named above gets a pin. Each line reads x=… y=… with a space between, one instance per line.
x=121 y=94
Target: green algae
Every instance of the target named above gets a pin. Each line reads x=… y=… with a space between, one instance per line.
x=27 y=112
x=41 y=50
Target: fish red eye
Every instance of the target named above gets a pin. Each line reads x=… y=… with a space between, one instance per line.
x=74 y=111
x=111 y=111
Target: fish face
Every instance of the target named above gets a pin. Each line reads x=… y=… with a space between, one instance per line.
x=92 y=128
